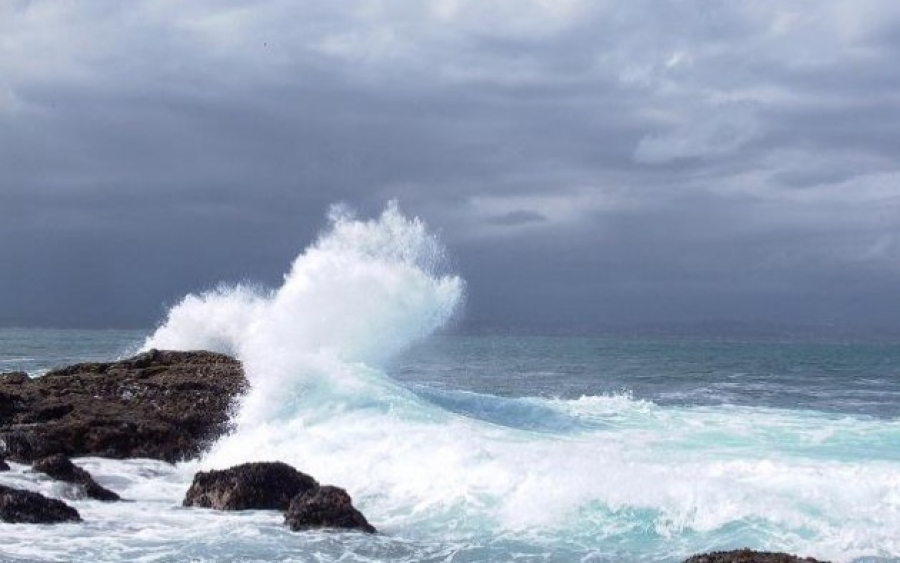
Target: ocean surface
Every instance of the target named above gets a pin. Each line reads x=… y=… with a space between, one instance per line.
x=491 y=447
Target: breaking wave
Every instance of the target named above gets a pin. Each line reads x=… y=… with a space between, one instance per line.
x=595 y=478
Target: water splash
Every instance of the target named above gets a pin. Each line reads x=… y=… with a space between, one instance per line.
x=362 y=292
x=599 y=477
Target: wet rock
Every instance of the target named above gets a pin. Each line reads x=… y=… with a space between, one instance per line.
x=3 y=465
x=325 y=507
x=160 y=404
x=61 y=468
x=26 y=507
x=250 y=486
x=749 y=556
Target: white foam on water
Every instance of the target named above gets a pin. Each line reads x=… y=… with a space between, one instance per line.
x=468 y=477
x=361 y=293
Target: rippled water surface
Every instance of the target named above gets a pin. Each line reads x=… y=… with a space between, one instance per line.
x=485 y=447
x=698 y=444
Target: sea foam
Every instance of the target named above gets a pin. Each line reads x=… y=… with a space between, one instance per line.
x=596 y=477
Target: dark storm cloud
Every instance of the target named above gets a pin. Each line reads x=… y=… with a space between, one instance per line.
x=587 y=162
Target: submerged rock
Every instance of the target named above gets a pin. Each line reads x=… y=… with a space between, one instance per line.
x=250 y=486
x=160 y=404
x=61 y=468
x=26 y=507
x=325 y=507
x=749 y=556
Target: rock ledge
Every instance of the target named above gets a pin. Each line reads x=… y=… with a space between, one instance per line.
x=163 y=405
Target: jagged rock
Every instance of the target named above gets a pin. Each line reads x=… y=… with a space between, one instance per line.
x=3 y=465
x=61 y=468
x=160 y=404
x=749 y=556
x=250 y=486
x=26 y=507
x=325 y=507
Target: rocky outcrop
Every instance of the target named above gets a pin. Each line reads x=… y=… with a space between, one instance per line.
x=14 y=378
x=61 y=468
x=325 y=507
x=160 y=404
x=26 y=507
x=749 y=556
x=277 y=486
x=250 y=486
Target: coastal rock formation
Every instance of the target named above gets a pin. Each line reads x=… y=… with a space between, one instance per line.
x=160 y=404
x=250 y=486
x=276 y=486
x=749 y=556
x=14 y=377
x=325 y=507
x=26 y=507
x=61 y=468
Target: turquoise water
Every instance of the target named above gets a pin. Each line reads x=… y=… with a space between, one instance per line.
x=471 y=448
x=705 y=444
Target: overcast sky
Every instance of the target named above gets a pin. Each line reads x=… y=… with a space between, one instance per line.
x=587 y=163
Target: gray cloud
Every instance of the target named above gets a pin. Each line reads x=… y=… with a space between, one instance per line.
x=601 y=162
x=515 y=218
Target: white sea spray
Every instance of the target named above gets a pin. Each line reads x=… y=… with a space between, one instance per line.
x=463 y=476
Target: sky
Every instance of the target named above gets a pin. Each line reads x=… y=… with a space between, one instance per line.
x=587 y=163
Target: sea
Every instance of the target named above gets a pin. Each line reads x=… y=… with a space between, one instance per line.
x=504 y=445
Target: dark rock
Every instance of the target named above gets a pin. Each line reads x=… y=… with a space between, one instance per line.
x=25 y=507
x=61 y=468
x=14 y=377
x=3 y=465
x=160 y=404
x=749 y=556
x=325 y=507
x=250 y=486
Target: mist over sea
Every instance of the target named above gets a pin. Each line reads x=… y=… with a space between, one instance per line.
x=491 y=447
